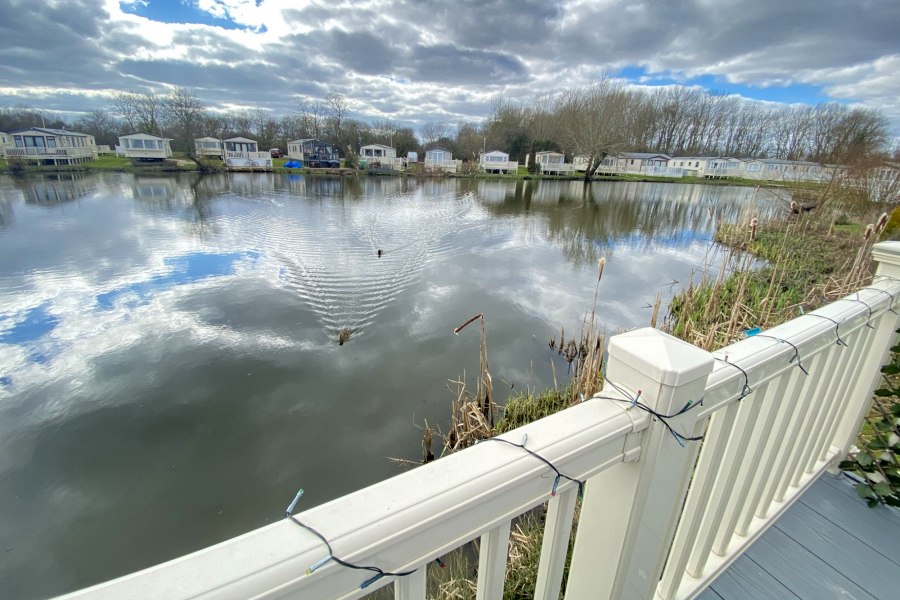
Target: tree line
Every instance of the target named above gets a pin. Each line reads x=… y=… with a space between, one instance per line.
x=594 y=121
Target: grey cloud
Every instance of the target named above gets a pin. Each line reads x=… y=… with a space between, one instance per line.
x=52 y=44
x=459 y=66
x=436 y=56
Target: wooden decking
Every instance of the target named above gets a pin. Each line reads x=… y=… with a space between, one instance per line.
x=827 y=545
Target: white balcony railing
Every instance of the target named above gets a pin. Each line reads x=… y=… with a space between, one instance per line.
x=248 y=155
x=509 y=166
x=724 y=172
x=662 y=171
x=660 y=517
x=393 y=163
x=449 y=166
x=558 y=168
x=45 y=152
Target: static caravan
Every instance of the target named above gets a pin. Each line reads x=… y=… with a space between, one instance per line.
x=145 y=147
x=496 y=161
x=50 y=146
x=207 y=147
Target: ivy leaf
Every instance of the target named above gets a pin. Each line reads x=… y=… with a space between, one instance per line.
x=847 y=465
x=895 y=410
x=895 y=349
x=884 y=392
x=882 y=489
x=891 y=369
x=892 y=500
x=864 y=459
x=863 y=490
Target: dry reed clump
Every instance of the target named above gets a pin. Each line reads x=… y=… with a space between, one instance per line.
x=811 y=261
x=472 y=416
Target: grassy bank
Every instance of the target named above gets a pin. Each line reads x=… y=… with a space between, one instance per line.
x=809 y=262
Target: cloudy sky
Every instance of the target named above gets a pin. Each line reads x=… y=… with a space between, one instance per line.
x=418 y=60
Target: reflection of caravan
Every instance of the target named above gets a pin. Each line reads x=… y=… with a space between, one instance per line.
x=154 y=188
x=51 y=190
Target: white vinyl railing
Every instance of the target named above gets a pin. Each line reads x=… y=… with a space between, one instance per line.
x=47 y=152
x=559 y=168
x=449 y=166
x=663 y=171
x=510 y=166
x=248 y=155
x=660 y=518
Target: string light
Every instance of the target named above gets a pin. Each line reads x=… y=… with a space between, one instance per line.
x=635 y=402
x=559 y=475
x=378 y=572
x=890 y=295
x=796 y=350
x=746 y=391
x=837 y=325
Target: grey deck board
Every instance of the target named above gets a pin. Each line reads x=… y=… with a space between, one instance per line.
x=745 y=579
x=876 y=527
x=801 y=571
x=709 y=594
x=829 y=544
x=856 y=560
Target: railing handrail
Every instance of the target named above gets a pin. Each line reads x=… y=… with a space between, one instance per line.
x=808 y=333
x=401 y=523
x=48 y=151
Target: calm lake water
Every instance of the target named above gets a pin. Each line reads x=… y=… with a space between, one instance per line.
x=170 y=372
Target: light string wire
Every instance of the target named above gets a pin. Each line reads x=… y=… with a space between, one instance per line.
x=869 y=307
x=783 y=341
x=635 y=402
x=890 y=295
x=837 y=325
x=378 y=572
x=746 y=390
x=559 y=474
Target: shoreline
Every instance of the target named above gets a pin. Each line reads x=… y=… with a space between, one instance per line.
x=119 y=166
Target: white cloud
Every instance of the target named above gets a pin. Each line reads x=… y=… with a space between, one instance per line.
x=410 y=60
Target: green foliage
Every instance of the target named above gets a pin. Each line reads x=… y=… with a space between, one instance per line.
x=876 y=461
x=892 y=229
x=16 y=167
x=807 y=263
x=110 y=162
x=534 y=168
x=526 y=408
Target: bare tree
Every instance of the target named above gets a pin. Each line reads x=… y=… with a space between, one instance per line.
x=592 y=121
x=185 y=112
x=541 y=124
x=143 y=112
x=99 y=124
x=338 y=106
x=312 y=117
x=433 y=131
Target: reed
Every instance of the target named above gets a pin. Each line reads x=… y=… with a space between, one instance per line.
x=810 y=260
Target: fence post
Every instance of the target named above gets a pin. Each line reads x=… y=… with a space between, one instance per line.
x=859 y=395
x=630 y=511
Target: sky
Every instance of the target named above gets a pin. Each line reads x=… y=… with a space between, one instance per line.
x=421 y=60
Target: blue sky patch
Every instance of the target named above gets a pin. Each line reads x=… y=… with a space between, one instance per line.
x=177 y=11
x=789 y=94
x=184 y=269
x=32 y=326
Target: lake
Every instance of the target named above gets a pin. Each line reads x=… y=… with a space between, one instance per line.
x=170 y=372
